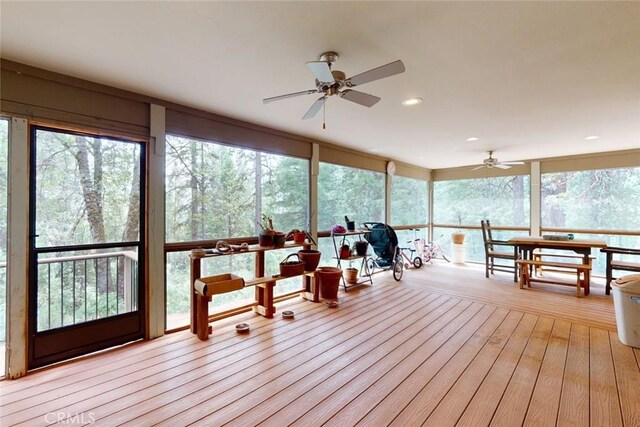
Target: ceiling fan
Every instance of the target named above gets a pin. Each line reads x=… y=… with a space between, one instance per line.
x=492 y=162
x=333 y=82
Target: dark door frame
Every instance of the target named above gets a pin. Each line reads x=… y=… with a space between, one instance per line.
x=65 y=342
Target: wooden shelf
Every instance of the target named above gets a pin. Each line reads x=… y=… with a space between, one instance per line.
x=352 y=257
x=274 y=278
x=252 y=249
x=352 y=233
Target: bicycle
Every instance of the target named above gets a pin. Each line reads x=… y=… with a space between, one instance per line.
x=416 y=260
x=433 y=250
x=425 y=252
x=410 y=259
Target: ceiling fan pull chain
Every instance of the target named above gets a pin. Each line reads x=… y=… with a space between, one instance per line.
x=324 y=114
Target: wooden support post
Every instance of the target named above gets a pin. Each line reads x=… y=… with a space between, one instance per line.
x=195 y=274
x=203 y=317
x=264 y=293
x=578 y=284
x=311 y=289
x=259 y=272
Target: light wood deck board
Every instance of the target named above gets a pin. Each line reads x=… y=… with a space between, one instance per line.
x=451 y=407
x=605 y=403
x=574 y=399
x=543 y=408
x=230 y=403
x=333 y=384
x=322 y=368
x=628 y=379
x=217 y=366
x=185 y=369
x=445 y=346
x=513 y=406
x=426 y=400
x=405 y=375
x=393 y=363
x=480 y=409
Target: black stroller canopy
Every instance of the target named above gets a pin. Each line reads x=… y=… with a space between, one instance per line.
x=383 y=240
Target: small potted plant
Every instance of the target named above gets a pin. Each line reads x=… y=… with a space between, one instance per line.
x=267 y=233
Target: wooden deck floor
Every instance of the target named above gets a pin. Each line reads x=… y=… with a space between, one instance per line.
x=443 y=347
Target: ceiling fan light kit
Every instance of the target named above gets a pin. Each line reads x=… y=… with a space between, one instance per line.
x=334 y=82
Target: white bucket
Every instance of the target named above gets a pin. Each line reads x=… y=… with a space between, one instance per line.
x=626 y=301
x=458 y=253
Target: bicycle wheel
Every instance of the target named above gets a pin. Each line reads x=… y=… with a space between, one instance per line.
x=417 y=262
x=398 y=269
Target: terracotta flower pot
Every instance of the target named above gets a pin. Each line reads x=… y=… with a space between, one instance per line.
x=329 y=281
x=299 y=237
x=279 y=239
x=310 y=258
x=265 y=238
x=458 y=238
x=351 y=275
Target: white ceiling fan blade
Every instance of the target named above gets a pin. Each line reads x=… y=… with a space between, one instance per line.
x=289 y=95
x=381 y=72
x=512 y=163
x=321 y=70
x=501 y=166
x=479 y=167
x=359 y=97
x=314 y=108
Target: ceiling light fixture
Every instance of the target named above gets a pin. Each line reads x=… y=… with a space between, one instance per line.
x=412 y=101
x=591 y=137
x=473 y=138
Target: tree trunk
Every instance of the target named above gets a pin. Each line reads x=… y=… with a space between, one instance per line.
x=258 y=186
x=132 y=226
x=133 y=216
x=194 y=192
x=90 y=191
x=92 y=200
x=518 y=200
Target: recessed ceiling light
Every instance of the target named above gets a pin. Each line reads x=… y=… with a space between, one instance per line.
x=473 y=138
x=412 y=101
x=590 y=137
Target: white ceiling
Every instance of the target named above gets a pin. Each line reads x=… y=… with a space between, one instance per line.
x=530 y=79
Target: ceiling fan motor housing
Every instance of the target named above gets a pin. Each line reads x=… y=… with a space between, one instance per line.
x=332 y=88
x=329 y=57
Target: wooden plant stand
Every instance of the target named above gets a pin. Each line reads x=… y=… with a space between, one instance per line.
x=263 y=304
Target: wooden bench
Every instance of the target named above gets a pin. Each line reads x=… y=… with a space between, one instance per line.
x=582 y=273
x=205 y=288
x=537 y=256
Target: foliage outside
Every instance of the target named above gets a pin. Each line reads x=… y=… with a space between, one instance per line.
x=214 y=191
x=356 y=193
x=409 y=201
x=87 y=191
x=503 y=200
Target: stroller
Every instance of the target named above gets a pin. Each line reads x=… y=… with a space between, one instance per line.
x=384 y=242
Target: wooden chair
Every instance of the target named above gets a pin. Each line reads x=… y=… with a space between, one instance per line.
x=617 y=264
x=510 y=253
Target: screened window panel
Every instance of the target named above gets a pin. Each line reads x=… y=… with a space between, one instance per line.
x=409 y=201
x=356 y=193
x=594 y=199
x=502 y=200
x=214 y=191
